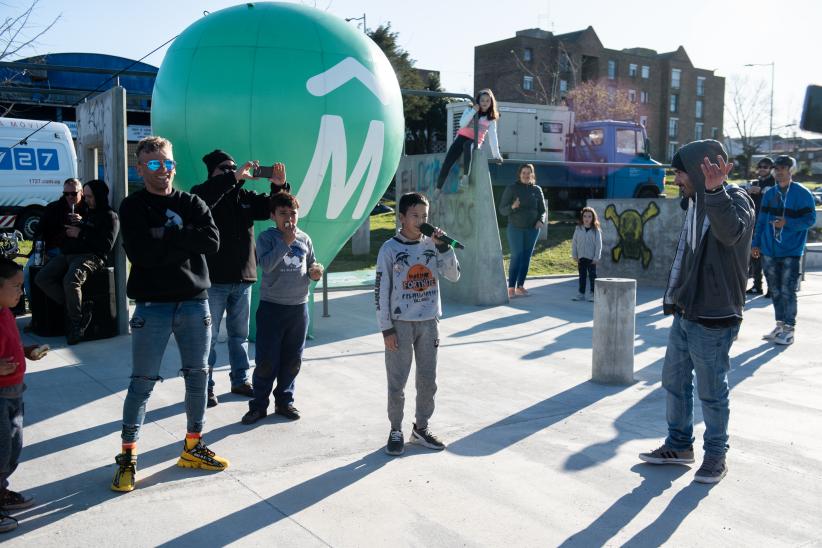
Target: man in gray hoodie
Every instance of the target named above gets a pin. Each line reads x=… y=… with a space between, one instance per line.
x=706 y=295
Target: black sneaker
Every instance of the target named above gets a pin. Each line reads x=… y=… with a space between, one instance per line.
x=425 y=438
x=666 y=455
x=288 y=411
x=212 y=400
x=713 y=469
x=7 y=523
x=75 y=335
x=396 y=443
x=244 y=389
x=754 y=291
x=253 y=416
x=12 y=500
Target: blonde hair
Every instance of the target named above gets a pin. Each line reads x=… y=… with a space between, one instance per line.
x=152 y=143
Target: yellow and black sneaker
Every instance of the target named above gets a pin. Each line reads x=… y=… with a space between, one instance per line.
x=200 y=456
x=126 y=475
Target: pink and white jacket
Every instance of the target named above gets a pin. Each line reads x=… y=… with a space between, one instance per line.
x=486 y=127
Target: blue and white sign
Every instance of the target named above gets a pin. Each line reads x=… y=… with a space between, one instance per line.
x=29 y=159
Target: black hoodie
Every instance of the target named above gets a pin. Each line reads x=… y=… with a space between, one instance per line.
x=710 y=270
x=234 y=210
x=171 y=268
x=99 y=227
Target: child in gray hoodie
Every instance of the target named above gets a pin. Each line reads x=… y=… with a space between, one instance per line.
x=286 y=256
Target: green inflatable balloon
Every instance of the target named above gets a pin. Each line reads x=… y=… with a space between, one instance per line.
x=287 y=83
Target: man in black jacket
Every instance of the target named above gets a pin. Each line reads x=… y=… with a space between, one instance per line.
x=233 y=269
x=756 y=189
x=706 y=295
x=88 y=237
x=166 y=235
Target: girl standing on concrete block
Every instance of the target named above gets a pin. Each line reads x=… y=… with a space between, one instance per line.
x=586 y=249
x=485 y=108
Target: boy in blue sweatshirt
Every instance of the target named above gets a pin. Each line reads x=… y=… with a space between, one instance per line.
x=785 y=216
x=286 y=256
x=408 y=307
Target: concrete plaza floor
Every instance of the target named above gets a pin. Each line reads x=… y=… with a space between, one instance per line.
x=538 y=455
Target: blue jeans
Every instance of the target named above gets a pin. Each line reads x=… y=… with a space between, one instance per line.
x=11 y=437
x=281 y=331
x=692 y=347
x=521 y=242
x=782 y=274
x=151 y=327
x=235 y=301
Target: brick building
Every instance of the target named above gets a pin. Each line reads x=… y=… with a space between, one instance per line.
x=676 y=101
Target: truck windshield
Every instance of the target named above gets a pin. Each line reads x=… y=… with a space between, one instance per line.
x=587 y=143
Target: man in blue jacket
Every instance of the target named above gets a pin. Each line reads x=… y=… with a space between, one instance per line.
x=706 y=295
x=786 y=214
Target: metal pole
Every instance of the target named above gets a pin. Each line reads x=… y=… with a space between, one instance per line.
x=770 y=137
x=325 y=293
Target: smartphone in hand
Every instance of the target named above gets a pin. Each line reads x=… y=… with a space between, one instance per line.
x=263 y=172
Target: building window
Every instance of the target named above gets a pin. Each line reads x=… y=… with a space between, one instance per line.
x=673 y=127
x=673 y=103
x=643 y=121
x=527 y=83
x=563 y=86
x=528 y=54
x=698 y=132
x=672 y=148
x=675 y=76
x=632 y=95
x=612 y=69
x=643 y=97
x=699 y=108
x=700 y=86
x=632 y=68
x=646 y=71
x=714 y=133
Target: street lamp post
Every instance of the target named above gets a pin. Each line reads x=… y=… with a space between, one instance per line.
x=770 y=125
x=364 y=29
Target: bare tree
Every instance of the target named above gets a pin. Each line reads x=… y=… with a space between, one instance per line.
x=563 y=63
x=746 y=103
x=593 y=101
x=17 y=34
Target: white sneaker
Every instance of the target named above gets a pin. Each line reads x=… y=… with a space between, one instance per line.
x=785 y=337
x=579 y=297
x=776 y=331
x=591 y=296
x=464 y=181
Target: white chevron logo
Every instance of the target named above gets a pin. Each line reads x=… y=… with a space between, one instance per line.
x=340 y=74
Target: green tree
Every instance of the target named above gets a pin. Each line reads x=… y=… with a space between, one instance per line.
x=425 y=118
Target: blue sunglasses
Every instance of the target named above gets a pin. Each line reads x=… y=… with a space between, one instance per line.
x=154 y=165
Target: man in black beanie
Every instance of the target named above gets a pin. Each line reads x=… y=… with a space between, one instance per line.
x=764 y=180
x=706 y=295
x=233 y=269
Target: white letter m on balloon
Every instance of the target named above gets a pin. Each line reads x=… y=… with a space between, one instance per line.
x=332 y=149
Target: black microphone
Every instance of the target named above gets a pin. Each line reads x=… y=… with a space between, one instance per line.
x=428 y=230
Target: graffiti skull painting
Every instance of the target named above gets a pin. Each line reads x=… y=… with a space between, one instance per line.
x=630 y=226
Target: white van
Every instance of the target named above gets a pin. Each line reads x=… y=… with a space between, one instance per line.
x=36 y=157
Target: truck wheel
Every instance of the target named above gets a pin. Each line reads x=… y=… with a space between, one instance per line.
x=28 y=221
x=648 y=192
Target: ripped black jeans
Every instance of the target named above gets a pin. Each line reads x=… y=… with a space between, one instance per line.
x=151 y=327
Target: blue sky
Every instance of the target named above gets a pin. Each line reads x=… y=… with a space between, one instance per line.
x=441 y=35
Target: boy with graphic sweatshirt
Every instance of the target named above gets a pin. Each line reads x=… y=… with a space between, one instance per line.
x=408 y=307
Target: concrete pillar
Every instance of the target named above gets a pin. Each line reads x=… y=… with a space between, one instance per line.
x=614 y=326
x=543 y=232
x=361 y=240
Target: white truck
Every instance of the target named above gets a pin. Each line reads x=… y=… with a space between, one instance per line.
x=36 y=157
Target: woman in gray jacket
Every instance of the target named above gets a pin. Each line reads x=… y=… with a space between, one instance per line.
x=524 y=205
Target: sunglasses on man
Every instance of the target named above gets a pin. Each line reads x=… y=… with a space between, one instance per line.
x=228 y=168
x=70 y=193
x=763 y=166
x=154 y=165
